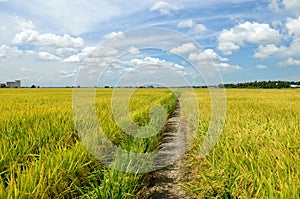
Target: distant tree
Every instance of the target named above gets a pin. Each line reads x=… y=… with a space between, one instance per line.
x=106 y=87
x=33 y=86
x=262 y=84
x=3 y=85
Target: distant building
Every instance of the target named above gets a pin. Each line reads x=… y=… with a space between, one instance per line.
x=15 y=84
x=295 y=86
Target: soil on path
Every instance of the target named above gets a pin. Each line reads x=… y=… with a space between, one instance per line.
x=166 y=182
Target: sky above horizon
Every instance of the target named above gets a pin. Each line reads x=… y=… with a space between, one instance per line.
x=46 y=42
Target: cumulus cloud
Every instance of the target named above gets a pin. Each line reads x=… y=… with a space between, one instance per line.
x=274 y=5
x=23 y=24
x=228 y=67
x=133 y=50
x=47 y=39
x=288 y=51
x=265 y=51
x=152 y=61
x=233 y=39
x=292 y=5
x=209 y=58
x=66 y=51
x=7 y=51
x=27 y=34
x=66 y=74
x=115 y=35
x=94 y=57
x=206 y=55
x=163 y=8
x=193 y=26
x=290 y=62
x=48 y=56
x=85 y=52
x=185 y=48
x=146 y=65
x=293 y=26
x=205 y=58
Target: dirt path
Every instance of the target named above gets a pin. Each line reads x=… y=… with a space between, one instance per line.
x=165 y=183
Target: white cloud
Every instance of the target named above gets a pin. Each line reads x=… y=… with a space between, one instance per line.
x=293 y=26
x=133 y=50
x=228 y=67
x=209 y=58
x=261 y=66
x=73 y=59
x=115 y=35
x=78 y=16
x=185 y=48
x=66 y=74
x=48 y=56
x=66 y=51
x=265 y=51
x=153 y=62
x=233 y=39
x=206 y=56
x=23 y=24
x=291 y=50
x=47 y=39
x=194 y=27
x=7 y=51
x=85 y=52
x=186 y=24
x=163 y=7
x=292 y=5
x=94 y=57
x=274 y=5
x=290 y=62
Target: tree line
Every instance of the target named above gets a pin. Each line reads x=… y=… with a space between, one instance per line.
x=263 y=84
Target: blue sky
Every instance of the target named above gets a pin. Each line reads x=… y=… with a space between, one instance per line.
x=46 y=42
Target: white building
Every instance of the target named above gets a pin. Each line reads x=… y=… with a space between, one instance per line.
x=15 y=84
x=295 y=86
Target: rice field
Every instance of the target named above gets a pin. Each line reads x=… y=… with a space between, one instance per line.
x=42 y=156
x=258 y=153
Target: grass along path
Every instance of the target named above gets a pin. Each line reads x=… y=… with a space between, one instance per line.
x=42 y=156
x=166 y=182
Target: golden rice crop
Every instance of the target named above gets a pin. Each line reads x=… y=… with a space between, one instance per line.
x=258 y=153
x=42 y=156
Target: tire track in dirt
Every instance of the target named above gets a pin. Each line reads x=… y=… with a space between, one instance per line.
x=165 y=183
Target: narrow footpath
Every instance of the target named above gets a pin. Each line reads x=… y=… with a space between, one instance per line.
x=165 y=183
